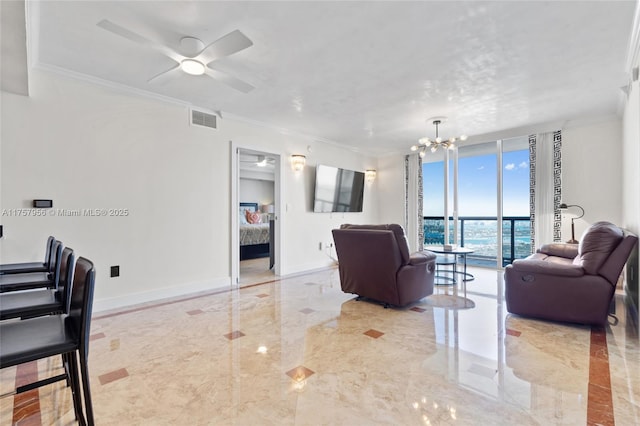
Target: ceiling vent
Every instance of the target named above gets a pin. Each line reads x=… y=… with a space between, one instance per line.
x=199 y=118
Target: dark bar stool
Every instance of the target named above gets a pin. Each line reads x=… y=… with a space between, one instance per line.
x=31 y=280
x=34 y=303
x=64 y=334
x=21 y=268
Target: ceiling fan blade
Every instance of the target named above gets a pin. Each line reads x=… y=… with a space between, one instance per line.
x=105 y=24
x=228 y=80
x=227 y=45
x=165 y=75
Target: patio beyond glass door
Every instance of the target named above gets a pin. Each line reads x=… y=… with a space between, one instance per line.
x=475 y=192
x=477 y=201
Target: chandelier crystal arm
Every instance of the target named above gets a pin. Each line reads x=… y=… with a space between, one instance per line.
x=433 y=145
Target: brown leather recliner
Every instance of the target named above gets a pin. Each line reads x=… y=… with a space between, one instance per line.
x=374 y=262
x=568 y=282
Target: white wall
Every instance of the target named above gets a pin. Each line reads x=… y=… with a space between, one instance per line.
x=631 y=161
x=592 y=172
x=87 y=146
x=303 y=230
x=256 y=191
x=631 y=182
x=391 y=188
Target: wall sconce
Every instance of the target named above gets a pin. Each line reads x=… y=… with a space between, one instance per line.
x=564 y=206
x=297 y=162
x=370 y=175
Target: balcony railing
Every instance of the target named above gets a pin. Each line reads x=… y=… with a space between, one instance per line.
x=480 y=233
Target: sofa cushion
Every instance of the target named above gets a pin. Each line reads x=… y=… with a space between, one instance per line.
x=596 y=245
x=569 y=251
x=398 y=232
x=538 y=256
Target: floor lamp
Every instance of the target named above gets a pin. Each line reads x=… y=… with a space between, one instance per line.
x=564 y=206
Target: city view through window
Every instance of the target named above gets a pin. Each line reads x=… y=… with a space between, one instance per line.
x=477 y=204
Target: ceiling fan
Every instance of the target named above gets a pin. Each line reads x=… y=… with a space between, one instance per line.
x=258 y=160
x=196 y=57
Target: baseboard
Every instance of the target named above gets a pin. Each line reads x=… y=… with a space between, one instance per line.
x=119 y=302
x=309 y=268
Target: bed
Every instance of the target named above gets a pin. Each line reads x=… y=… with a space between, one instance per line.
x=255 y=238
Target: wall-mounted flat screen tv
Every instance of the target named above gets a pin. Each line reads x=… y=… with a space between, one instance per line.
x=338 y=190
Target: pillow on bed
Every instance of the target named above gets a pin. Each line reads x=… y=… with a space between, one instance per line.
x=253 y=217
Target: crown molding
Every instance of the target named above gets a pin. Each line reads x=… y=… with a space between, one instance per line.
x=118 y=87
x=122 y=88
x=289 y=132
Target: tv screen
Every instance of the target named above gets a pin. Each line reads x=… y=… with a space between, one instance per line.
x=338 y=190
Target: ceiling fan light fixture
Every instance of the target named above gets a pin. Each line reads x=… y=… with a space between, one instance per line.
x=262 y=161
x=193 y=67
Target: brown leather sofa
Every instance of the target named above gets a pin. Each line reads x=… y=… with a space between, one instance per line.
x=375 y=263
x=569 y=282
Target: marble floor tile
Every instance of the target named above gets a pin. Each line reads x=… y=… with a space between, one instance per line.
x=299 y=351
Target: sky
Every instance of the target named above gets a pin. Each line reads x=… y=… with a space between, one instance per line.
x=477 y=185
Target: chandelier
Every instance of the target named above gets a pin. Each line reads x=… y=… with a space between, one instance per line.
x=434 y=144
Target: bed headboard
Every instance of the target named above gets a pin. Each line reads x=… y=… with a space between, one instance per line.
x=252 y=207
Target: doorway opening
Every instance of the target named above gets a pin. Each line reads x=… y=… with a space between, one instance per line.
x=257 y=195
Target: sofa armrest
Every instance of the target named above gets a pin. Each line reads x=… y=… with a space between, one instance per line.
x=548 y=268
x=568 y=251
x=421 y=257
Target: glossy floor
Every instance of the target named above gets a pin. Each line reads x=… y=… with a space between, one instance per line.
x=254 y=271
x=300 y=352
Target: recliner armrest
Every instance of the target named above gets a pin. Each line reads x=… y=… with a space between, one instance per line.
x=549 y=268
x=568 y=251
x=421 y=257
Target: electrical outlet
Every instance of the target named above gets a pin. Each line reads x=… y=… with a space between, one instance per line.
x=115 y=271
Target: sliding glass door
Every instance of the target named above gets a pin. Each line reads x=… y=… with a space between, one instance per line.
x=488 y=183
x=433 y=199
x=477 y=201
x=516 y=224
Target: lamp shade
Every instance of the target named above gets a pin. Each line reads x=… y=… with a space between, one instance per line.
x=298 y=161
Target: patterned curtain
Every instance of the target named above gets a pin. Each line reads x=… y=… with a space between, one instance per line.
x=413 y=217
x=420 y=207
x=545 y=187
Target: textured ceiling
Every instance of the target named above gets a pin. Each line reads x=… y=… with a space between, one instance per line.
x=363 y=74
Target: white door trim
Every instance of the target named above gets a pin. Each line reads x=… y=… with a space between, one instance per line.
x=235 y=200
